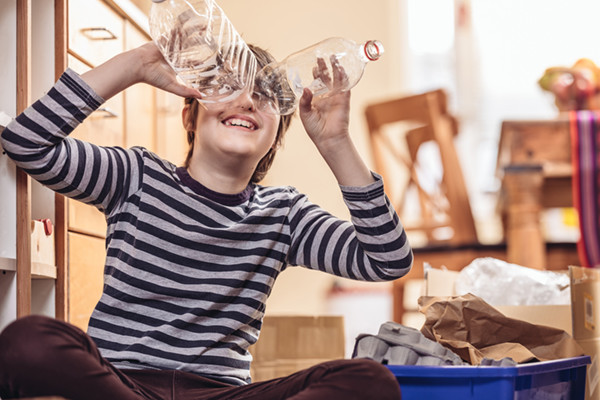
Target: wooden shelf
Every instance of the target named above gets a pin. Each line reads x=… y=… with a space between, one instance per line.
x=8 y=264
x=43 y=271
x=38 y=270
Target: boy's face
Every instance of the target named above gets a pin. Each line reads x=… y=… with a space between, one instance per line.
x=236 y=128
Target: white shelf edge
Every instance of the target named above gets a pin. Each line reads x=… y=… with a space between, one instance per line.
x=8 y=264
x=38 y=270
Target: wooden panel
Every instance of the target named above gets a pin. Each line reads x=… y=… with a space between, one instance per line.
x=42 y=246
x=60 y=203
x=171 y=137
x=23 y=180
x=87 y=219
x=534 y=142
x=86 y=266
x=95 y=31
x=140 y=113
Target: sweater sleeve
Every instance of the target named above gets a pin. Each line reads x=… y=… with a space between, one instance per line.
x=372 y=246
x=37 y=141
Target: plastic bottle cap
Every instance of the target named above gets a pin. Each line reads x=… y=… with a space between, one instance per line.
x=373 y=49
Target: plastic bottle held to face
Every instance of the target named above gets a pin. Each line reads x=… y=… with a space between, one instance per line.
x=202 y=46
x=285 y=81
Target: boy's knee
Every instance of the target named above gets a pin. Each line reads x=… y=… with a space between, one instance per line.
x=23 y=341
x=374 y=378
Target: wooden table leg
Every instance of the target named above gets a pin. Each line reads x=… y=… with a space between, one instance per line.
x=525 y=241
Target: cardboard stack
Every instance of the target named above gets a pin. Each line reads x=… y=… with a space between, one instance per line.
x=585 y=302
x=288 y=344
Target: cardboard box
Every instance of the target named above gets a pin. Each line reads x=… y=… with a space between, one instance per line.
x=441 y=283
x=585 y=300
x=591 y=347
x=288 y=344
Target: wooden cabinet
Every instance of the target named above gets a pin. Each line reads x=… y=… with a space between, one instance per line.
x=79 y=34
x=86 y=258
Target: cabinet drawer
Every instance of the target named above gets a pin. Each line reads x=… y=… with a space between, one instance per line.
x=95 y=31
x=86 y=276
x=84 y=218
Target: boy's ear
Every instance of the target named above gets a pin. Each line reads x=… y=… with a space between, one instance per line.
x=188 y=124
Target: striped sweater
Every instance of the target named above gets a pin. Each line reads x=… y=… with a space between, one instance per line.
x=188 y=270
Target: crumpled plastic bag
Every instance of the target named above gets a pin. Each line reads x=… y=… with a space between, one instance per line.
x=503 y=284
x=474 y=330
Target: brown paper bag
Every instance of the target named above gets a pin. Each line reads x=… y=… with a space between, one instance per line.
x=475 y=330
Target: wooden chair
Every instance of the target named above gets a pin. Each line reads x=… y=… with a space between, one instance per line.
x=447 y=207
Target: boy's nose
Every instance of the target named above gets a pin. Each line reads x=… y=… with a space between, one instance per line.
x=244 y=100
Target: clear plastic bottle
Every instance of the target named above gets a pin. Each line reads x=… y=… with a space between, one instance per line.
x=202 y=46
x=283 y=82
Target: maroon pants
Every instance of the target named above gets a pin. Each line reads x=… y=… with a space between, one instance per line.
x=41 y=356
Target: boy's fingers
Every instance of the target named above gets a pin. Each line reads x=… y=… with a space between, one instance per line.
x=306 y=100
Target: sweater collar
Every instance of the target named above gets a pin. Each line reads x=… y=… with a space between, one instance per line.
x=221 y=198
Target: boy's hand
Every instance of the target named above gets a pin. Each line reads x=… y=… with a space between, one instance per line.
x=326 y=119
x=155 y=71
x=142 y=64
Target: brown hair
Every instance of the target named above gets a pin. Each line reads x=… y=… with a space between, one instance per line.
x=263 y=57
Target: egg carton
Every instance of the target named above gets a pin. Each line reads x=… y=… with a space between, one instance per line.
x=396 y=344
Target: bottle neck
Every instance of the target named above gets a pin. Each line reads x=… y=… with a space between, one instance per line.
x=373 y=49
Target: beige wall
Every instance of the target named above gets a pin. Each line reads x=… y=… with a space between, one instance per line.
x=284 y=27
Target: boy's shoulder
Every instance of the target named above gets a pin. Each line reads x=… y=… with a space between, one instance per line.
x=276 y=191
x=287 y=195
x=148 y=158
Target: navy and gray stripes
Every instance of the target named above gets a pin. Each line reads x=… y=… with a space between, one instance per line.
x=188 y=271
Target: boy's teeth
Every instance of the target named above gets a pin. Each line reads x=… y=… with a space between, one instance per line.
x=239 y=122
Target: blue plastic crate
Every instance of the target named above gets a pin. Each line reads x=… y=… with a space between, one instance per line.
x=558 y=379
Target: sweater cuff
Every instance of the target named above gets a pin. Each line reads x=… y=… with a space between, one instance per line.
x=80 y=87
x=365 y=193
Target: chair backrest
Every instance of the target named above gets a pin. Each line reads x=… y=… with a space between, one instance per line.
x=447 y=207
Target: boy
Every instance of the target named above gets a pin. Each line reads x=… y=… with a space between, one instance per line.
x=193 y=251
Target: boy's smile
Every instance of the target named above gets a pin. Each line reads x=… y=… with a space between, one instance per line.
x=240 y=121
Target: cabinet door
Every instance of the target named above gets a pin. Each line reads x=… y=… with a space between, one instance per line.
x=171 y=136
x=86 y=268
x=140 y=112
x=95 y=31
